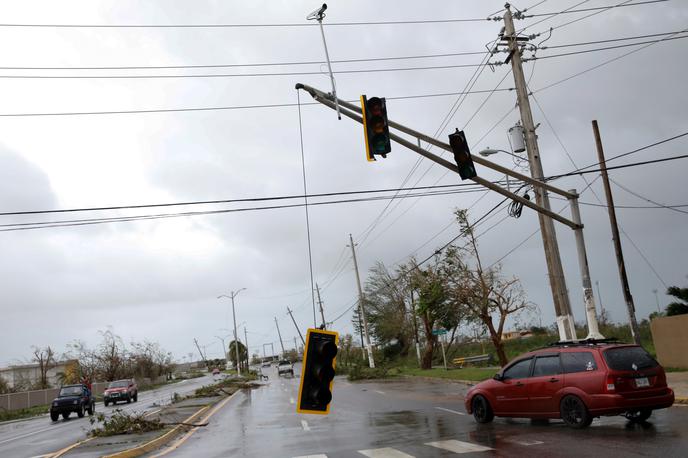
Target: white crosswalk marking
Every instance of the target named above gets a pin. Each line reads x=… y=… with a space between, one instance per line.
x=379 y=392
x=458 y=446
x=526 y=442
x=450 y=411
x=385 y=452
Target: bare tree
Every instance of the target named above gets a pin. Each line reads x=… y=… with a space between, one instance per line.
x=487 y=296
x=45 y=358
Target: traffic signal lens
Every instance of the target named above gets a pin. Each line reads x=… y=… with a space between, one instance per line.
x=327 y=349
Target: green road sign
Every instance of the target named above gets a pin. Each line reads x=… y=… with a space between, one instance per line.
x=439 y=332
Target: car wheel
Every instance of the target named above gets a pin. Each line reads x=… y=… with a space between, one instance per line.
x=136 y=397
x=54 y=416
x=80 y=412
x=638 y=416
x=574 y=413
x=482 y=412
x=91 y=408
x=65 y=415
x=128 y=399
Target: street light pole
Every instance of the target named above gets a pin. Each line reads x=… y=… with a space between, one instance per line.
x=232 y=295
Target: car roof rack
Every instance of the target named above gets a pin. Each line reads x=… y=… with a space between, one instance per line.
x=583 y=342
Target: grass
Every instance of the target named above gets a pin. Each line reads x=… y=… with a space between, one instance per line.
x=23 y=413
x=475 y=374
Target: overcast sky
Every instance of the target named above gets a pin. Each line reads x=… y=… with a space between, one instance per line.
x=159 y=279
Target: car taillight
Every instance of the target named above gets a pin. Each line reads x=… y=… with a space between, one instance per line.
x=611 y=387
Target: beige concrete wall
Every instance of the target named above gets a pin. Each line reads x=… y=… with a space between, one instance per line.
x=670 y=335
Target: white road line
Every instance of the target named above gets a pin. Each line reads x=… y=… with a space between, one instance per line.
x=31 y=433
x=322 y=455
x=380 y=392
x=458 y=446
x=525 y=442
x=450 y=411
x=291 y=400
x=385 y=452
x=304 y=425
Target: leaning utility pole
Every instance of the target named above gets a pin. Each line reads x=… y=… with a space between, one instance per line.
x=322 y=313
x=296 y=326
x=199 y=350
x=280 y=336
x=371 y=362
x=562 y=305
x=415 y=327
x=248 y=353
x=633 y=322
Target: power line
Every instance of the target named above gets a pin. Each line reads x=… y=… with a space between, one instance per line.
x=238 y=75
x=258 y=64
x=658 y=205
x=237 y=107
x=606 y=62
x=91 y=221
x=585 y=51
x=229 y=26
x=603 y=8
x=227 y=201
x=633 y=164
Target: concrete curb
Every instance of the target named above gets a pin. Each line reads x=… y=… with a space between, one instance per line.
x=434 y=379
x=681 y=401
x=70 y=447
x=158 y=441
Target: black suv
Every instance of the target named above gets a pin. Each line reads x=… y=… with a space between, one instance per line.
x=72 y=398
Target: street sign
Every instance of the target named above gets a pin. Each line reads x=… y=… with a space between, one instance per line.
x=439 y=332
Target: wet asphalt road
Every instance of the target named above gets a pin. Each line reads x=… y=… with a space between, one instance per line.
x=40 y=436
x=413 y=418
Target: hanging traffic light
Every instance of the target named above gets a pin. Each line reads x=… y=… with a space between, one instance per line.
x=462 y=155
x=317 y=372
x=375 y=127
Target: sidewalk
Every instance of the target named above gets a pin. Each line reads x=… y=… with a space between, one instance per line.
x=678 y=381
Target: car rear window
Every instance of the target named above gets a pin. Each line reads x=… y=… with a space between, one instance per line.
x=624 y=358
x=578 y=361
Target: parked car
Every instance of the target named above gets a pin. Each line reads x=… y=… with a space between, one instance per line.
x=285 y=367
x=121 y=390
x=575 y=382
x=72 y=398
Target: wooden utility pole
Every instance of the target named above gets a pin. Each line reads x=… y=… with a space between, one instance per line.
x=371 y=361
x=280 y=336
x=248 y=353
x=630 y=306
x=296 y=326
x=322 y=313
x=557 y=282
x=199 y=350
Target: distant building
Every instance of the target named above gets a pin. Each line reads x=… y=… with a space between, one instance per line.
x=510 y=335
x=25 y=376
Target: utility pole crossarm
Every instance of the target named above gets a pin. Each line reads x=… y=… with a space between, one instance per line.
x=346 y=110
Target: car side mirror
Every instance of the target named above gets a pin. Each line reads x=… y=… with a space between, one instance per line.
x=499 y=377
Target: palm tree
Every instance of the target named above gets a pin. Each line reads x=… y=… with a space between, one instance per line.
x=677 y=308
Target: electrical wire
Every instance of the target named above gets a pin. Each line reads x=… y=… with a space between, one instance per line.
x=606 y=48
x=227 y=26
x=659 y=205
x=238 y=75
x=237 y=107
x=258 y=64
x=604 y=8
x=606 y=62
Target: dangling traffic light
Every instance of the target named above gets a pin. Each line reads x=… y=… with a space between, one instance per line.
x=317 y=372
x=375 y=127
x=462 y=155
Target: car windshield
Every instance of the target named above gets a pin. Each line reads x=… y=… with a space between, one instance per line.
x=118 y=384
x=70 y=391
x=624 y=358
x=282 y=363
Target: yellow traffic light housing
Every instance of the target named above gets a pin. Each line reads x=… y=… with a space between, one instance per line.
x=375 y=127
x=317 y=372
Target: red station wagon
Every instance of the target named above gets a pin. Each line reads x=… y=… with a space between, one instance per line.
x=574 y=381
